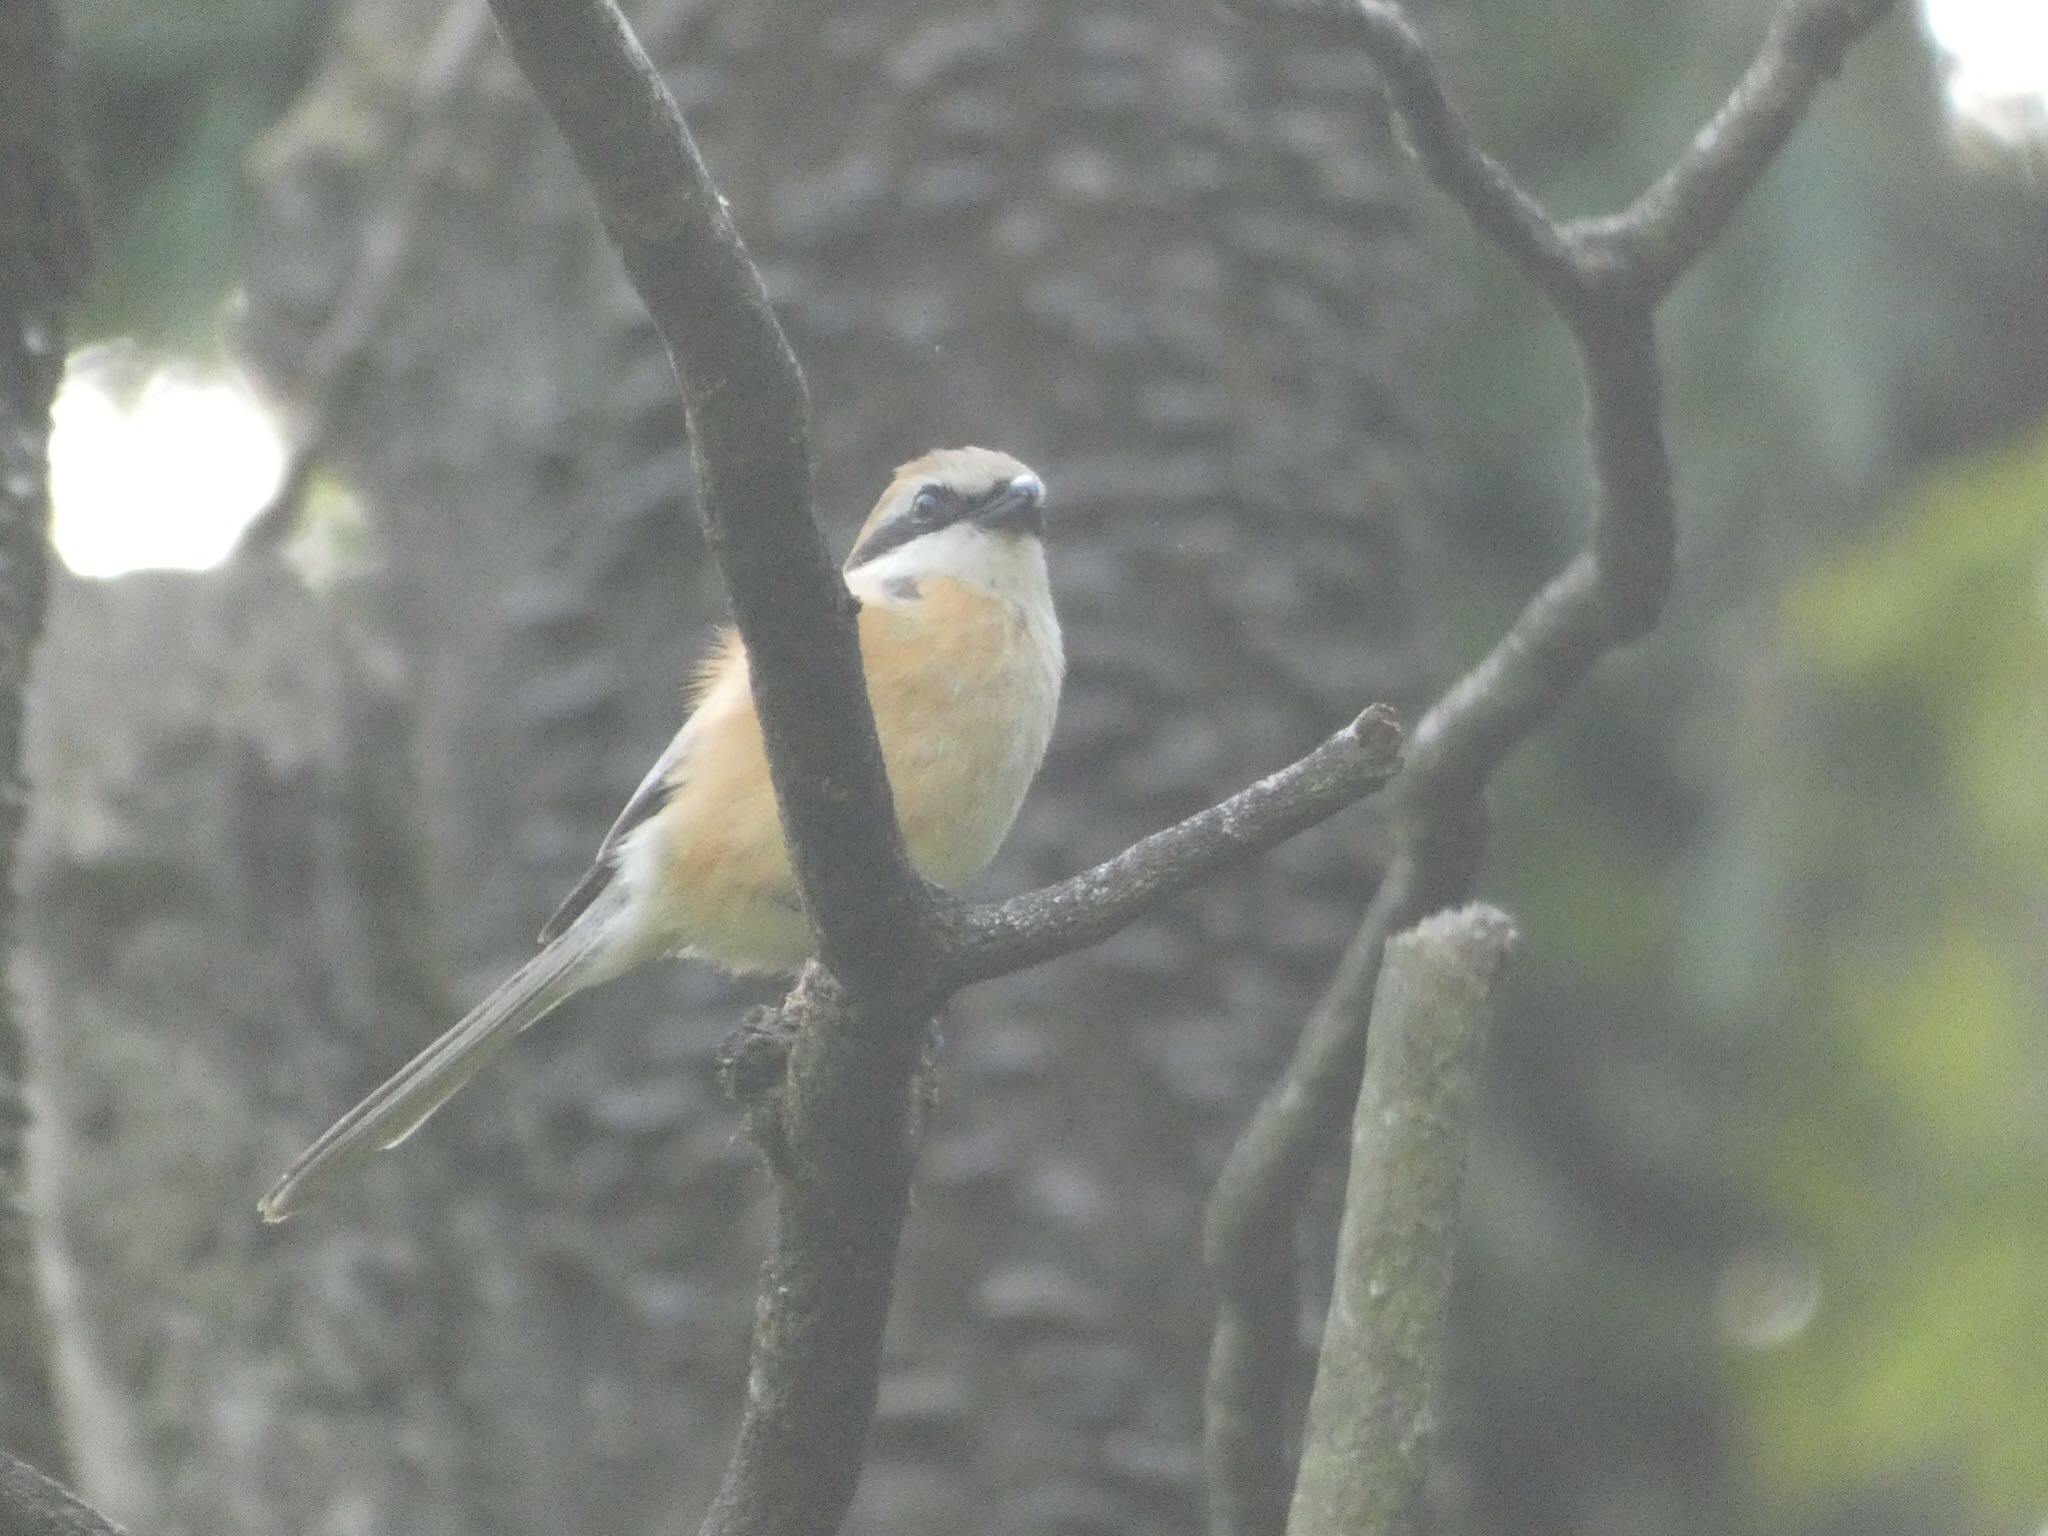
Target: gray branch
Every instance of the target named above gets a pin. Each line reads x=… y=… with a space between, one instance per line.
x=1372 y=1417
x=1248 y=1237
x=32 y=1505
x=1508 y=216
x=1604 y=278
x=999 y=938
x=1664 y=231
x=1248 y=1242
x=842 y=1187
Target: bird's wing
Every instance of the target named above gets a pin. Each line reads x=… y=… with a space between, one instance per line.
x=723 y=666
x=653 y=793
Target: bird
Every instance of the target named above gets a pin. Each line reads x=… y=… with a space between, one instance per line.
x=962 y=653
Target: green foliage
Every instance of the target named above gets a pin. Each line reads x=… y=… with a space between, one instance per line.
x=1911 y=1152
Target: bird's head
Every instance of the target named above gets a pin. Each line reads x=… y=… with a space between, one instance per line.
x=958 y=510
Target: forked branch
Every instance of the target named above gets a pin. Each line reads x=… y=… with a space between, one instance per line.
x=1604 y=277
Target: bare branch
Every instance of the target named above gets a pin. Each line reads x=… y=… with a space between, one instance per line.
x=1372 y=1418
x=839 y=1126
x=988 y=941
x=1649 y=246
x=1610 y=593
x=1664 y=231
x=1248 y=1240
x=1507 y=216
x=843 y=1110
x=32 y=1505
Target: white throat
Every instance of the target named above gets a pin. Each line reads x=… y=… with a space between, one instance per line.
x=1003 y=565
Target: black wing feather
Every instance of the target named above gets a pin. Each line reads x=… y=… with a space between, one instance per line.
x=654 y=792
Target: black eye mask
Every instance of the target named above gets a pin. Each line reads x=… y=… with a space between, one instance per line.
x=934 y=507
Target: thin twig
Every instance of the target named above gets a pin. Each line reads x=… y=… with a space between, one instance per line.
x=997 y=939
x=1508 y=216
x=1610 y=593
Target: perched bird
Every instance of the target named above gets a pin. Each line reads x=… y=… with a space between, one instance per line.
x=963 y=660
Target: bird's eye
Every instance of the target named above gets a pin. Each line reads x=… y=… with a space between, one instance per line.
x=926 y=506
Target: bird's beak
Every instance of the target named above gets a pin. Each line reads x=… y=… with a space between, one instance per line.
x=1016 y=507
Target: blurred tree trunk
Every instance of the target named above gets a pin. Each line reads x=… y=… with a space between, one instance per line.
x=42 y=259
x=1163 y=257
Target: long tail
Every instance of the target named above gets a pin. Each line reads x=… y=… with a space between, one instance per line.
x=404 y=1103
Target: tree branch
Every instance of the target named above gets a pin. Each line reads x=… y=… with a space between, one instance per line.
x=1372 y=1418
x=1610 y=593
x=997 y=939
x=843 y=1111
x=1248 y=1236
x=838 y=1125
x=1664 y=231
x=32 y=1505
x=1510 y=219
x=1248 y=1242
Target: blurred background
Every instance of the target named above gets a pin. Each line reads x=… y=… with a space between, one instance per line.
x=381 y=582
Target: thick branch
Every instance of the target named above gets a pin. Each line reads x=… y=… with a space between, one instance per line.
x=1372 y=1418
x=839 y=1126
x=994 y=940
x=1249 y=1407
x=1249 y=1401
x=32 y=1505
x=745 y=400
x=1612 y=592
x=843 y=1114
